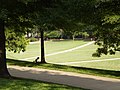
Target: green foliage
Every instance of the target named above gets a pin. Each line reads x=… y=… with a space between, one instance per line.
x=85 y=34
x=15 y=42
x=3 y=14
x=108 y=30
x=111 y=19
x=33 y=39
x=14 y=13
x=53 y=34
x=108 y=40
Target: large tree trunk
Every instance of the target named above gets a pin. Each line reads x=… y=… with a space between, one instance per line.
x=3 y=67
x=42 y=47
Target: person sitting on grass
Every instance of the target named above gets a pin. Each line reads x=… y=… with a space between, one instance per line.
x=36 y=60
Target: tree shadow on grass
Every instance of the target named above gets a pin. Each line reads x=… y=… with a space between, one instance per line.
x=29 y=84
x=84 y=70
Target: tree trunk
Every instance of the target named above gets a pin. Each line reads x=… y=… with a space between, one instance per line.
x=42 y=47
x=3 y=67
x=73 y=37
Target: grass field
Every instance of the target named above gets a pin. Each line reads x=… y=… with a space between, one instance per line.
x=76 y=56
x=25 y=84
x=50 y=47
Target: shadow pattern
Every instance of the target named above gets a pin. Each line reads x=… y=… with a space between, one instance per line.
x=83 y=70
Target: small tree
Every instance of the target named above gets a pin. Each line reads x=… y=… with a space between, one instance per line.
x=53 y=34
x=85 y=35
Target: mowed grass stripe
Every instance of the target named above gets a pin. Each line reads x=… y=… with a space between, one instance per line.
x=33 y=50
x=83 y=54
x=65 y=51
x=106 y=65
x=78 y=55
x=90 y=61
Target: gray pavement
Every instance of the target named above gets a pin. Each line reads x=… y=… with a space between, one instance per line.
x=66 y=78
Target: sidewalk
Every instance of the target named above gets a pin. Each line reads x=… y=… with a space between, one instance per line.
x=67 y=78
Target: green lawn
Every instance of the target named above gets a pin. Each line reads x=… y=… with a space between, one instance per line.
x=107 y=65
x=25 y=84
x=56 y=46
x=82 y=54
x=50 y=47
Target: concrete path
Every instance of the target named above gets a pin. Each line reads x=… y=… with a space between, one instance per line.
x=67 y=78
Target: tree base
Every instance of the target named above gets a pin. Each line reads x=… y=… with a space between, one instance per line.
x=6 y=75
x=43 y=62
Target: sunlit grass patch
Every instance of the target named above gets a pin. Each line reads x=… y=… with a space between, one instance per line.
x=78 y=55
x=33 y=50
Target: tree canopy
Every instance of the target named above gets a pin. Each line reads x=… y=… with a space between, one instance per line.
x=108 y=30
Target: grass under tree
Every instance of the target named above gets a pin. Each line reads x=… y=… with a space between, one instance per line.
x=26 y=84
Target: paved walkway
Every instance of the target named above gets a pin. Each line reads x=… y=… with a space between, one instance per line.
x=67 y=78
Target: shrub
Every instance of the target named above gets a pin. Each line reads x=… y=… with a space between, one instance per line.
x=33 y=39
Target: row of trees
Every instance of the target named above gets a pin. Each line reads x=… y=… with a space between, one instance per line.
x=59 y=34
x=18 y=17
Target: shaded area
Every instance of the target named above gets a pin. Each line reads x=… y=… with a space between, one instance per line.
x=84 y=70
x=66 y=78
x=27 y=84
